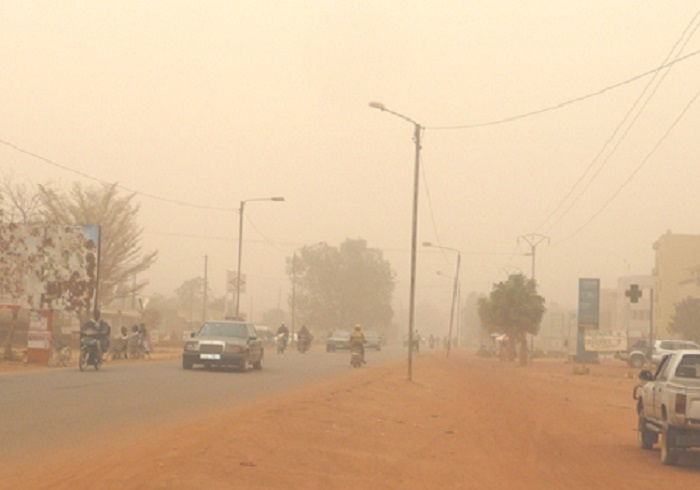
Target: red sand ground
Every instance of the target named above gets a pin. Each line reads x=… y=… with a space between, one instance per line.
x=463 y=422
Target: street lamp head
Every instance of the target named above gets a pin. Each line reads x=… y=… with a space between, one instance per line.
x=427 y=244
x=277 y=199
x=377 y=105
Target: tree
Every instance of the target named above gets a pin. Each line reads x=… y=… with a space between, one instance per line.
x=18 y=202
x=190 y=297
x=514 y=308
x=686 y=319
x=338 y=287
x=121 y=257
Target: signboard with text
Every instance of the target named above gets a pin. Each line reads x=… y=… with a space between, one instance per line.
x=605 y=341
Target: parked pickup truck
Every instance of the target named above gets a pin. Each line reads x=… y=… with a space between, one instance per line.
x=668 y=405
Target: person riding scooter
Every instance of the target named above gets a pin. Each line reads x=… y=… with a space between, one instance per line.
x=357 y=342
x=304 y=338
x=282 y=337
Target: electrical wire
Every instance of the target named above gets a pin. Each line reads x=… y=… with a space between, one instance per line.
x=567 y=102
x=639 y=167
x=617 y=129
x=102 y=181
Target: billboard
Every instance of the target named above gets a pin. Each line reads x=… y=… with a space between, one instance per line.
x=49 y=266
x=605 y=341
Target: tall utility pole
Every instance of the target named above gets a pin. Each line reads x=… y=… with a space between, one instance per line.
x=206 y=286
x=533 y=240
x=414 y=228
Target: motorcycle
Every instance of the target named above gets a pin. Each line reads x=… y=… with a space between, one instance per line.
x=356 y=359
x=89 y=352
x=281 y=340
x=303 y=343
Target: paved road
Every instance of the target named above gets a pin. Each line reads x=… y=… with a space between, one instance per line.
x=43 y=408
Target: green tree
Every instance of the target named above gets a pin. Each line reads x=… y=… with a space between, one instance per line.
x=686 y=319
x=121 y=257
x=513 y=307
x=338 y=287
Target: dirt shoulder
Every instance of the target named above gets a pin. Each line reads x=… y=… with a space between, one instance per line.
x=462 y=422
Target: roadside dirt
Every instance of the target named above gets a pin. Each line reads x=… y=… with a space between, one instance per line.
x=462 y=423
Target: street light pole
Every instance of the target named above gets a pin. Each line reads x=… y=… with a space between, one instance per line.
x=455 y=288
x=240 y=249
x=414 y=226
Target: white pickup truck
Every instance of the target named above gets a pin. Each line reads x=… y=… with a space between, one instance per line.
x=668 y=405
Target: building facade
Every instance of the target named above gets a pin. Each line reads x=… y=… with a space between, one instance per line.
x=676 y=257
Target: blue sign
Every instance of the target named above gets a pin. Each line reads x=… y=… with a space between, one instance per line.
x=588 y=316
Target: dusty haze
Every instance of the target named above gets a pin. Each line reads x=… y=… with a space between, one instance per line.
x=199 y=105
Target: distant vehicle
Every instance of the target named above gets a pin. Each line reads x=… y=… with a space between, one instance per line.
x=664 y=347
x=338 y=340
x=224 y=343
x=637 y=355
x=373 y=340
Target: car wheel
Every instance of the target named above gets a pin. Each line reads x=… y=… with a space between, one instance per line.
x=669 y=453
x=647 y=438
x=186 y=364
x=637 y=361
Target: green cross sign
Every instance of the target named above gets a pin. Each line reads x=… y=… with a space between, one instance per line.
x=634 y=293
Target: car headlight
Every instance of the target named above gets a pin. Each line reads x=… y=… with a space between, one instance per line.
x=192 y=346
x=233 y=348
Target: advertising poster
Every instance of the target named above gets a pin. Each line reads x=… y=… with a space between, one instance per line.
x=49 y=267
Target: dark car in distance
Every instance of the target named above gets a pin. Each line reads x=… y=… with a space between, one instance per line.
x=224 y=343
x=338 y=340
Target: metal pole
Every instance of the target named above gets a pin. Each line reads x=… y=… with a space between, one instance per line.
x=414 y=235
x=650 y=348
x=294 y=291
x=206 y=285
x=454 y=301
x=238 y=272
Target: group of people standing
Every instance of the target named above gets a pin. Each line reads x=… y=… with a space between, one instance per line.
x=134 y=344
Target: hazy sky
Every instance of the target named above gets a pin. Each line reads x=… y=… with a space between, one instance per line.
x=212 y=102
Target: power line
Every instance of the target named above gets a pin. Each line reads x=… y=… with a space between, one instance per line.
x=617 y=129
x=567 y=102
x=102 y=181
x=639 y=167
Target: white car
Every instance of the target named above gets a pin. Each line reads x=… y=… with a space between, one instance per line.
x=665 y=347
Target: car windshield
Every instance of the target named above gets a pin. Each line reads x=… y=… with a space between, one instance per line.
x=341 y=334
x=223 y=329
x=371 y=335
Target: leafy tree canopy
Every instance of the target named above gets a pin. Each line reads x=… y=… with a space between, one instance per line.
x=686 y=319
x=513 y=307
x=336 y=287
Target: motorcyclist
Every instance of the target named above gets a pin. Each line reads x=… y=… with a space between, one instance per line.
x=357 y=341
x=282 y=336
x=96 y=328
x=304 y=338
